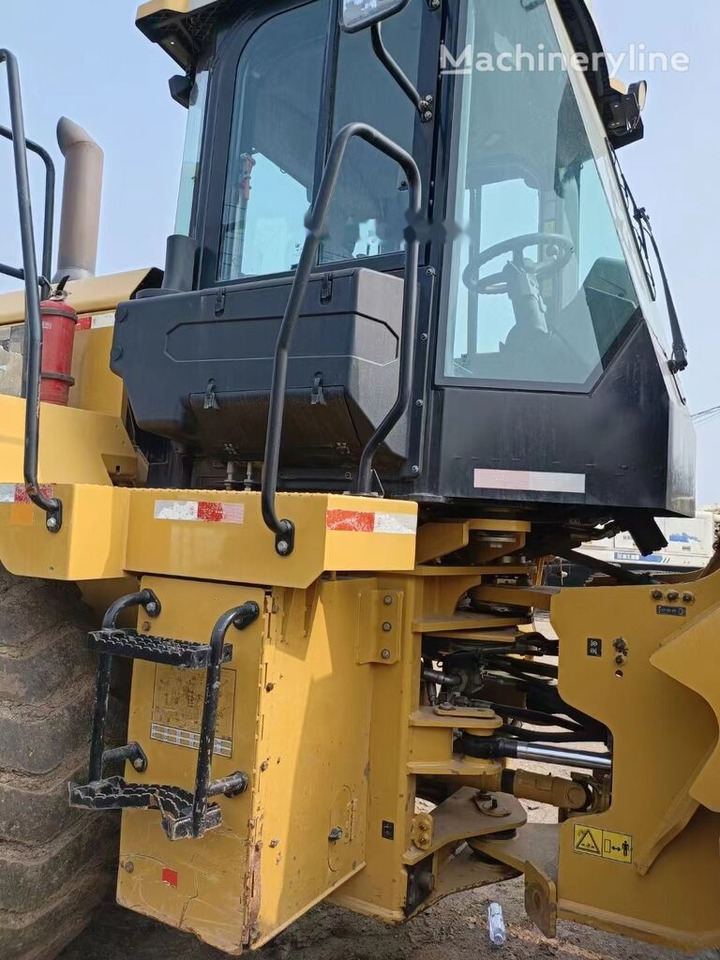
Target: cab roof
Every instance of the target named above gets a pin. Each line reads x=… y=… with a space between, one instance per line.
x=181 y=27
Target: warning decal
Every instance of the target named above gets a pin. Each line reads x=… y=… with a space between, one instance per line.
x=604 y=844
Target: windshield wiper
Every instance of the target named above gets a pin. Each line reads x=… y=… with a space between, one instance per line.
x=679 y=357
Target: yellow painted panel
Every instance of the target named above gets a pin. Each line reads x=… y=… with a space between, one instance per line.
x=690 y=657
x=663 y=734
x=76 y=446
x=295 y=715
x=243 y=550
x=96 y=386
x=210 y=873
x=90 y=545
x=315 y=708
x=91 y=295
x=169 y=6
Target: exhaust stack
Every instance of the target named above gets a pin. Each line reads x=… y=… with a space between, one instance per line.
x=82 y=194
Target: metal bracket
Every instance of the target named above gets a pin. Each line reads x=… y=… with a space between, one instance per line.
x=541 y=900
x=381 y=626
x=421 y=831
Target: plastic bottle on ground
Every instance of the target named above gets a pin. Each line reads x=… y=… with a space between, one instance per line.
x=496 y=925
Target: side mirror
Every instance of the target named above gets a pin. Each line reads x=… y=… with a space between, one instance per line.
x=357 y=15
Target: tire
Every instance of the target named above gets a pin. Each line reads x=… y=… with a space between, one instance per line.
x=56 y=864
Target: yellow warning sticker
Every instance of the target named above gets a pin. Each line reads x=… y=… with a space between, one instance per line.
x=588 y=840
x=617 y=846
x=604 y=844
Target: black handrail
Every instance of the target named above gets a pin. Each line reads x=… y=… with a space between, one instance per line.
x=241 y=618
x=98 y=755
x=49 y=220
x=51 y=506
x=284 y=530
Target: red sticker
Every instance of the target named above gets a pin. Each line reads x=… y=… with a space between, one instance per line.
x=170 y=877
x=350 y=521
x=210 y=512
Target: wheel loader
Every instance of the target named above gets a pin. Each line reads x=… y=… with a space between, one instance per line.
x=273 y=520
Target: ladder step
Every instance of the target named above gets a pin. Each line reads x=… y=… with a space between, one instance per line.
x=137 y=646
x=174 y=804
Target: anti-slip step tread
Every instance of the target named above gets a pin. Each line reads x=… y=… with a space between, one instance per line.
x=137 y=646
x=173 y=803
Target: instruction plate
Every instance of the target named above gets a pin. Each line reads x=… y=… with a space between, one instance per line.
x=178 y=704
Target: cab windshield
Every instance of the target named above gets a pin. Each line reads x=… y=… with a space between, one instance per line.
x=540 y=290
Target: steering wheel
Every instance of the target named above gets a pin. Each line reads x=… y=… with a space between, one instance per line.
x=497 y=283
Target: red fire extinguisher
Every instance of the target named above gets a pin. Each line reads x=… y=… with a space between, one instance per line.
x=58 y=324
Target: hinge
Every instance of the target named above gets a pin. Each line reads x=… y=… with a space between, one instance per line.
x=211 y=401
x=317 y=396
x=326 y=288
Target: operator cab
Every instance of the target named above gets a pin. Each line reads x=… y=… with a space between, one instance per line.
x=538 y=374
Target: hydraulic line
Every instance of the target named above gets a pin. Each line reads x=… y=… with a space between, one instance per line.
x=501 y=748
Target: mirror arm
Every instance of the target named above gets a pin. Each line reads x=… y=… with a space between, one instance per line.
x=422 y=104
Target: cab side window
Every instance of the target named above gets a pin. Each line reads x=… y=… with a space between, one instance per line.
x=367 y=216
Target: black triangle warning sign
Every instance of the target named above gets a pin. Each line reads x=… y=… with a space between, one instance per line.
x=588 y=840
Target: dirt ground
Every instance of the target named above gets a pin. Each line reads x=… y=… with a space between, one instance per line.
x=454 y=930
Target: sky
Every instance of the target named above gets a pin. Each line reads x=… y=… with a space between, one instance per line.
x=94 y=66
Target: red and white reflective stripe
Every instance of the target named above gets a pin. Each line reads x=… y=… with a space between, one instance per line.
x=365 y=521
x=206 y=511
x=530 y=480
x=94 y=323
x=16 y=492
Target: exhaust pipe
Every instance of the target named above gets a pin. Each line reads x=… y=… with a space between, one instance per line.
x=82 y=194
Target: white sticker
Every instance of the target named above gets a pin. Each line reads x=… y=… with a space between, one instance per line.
x=530 y=480
x=186 y=738
x=403 y=523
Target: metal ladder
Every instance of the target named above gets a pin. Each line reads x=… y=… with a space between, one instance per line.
x=185 y=814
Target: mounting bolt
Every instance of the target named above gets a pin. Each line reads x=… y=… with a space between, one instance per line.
x=688 y=598
x=139 y=764
x=52 y=524
x=427 y=116
x=657 y=594
x=335 y=835
x=385 y=654
x=415 y=470
x=282 y=547
x=424 y=336
x=673 y=596
x=419 y=403
x=152 y=609
x=129 y=866
x=434 y=4
x=387 y=627
x=388 y=600
x=274 y=843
